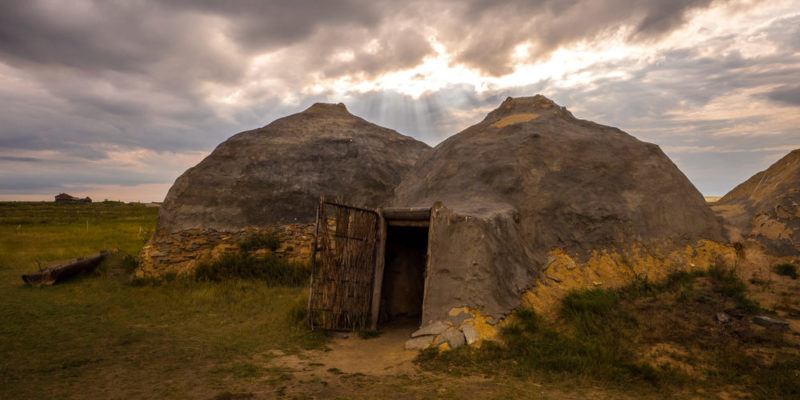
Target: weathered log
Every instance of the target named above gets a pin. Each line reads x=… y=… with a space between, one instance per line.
x=65 y=269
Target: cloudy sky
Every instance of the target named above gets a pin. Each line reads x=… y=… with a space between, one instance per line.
x=115 y=99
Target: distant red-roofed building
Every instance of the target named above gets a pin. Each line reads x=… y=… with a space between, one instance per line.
x=63 y=197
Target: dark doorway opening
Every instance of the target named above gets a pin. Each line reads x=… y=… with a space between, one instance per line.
x=403 y=286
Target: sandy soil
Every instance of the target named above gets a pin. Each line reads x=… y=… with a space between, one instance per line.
x=350 y=354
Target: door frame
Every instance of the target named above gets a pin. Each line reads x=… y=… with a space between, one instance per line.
x=395 y=216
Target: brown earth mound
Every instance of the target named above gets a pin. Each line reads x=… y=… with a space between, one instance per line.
x=531 y=179
x=276 y=174
x=270 y=179
x=766 y=208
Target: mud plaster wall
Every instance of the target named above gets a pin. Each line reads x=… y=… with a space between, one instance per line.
x=612 y=268
x=179 y=252
x=478 y=262
x=483 y=263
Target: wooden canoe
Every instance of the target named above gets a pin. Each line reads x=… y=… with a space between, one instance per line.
x=65 y=269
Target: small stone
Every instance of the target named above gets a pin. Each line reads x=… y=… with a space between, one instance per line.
x=470 y=334
x=553 y=278
x=157 y=254
x=722 y=317
x=461 y=317
x=453 y=337
x=768 y=322
x=432 y=329
x=419 y=342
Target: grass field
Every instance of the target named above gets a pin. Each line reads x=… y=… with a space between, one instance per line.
x=663 y=336
x=99 y=336
x=105 y=336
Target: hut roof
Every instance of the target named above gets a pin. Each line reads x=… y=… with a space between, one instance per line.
x=276 y=174
x=766 y=207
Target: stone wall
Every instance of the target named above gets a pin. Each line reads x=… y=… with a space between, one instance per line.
x=180 y=252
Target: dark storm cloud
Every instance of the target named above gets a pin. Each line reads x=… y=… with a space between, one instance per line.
x=496 y=28
x=175 y=43
x=257 y=24
x=20 y=159
x=659 y=17
x=86 y=78
x=786 y=94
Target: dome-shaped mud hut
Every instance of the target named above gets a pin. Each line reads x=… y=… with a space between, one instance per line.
x=529 y=204
x=272 y=178
x=765 y=209
x=514 y=211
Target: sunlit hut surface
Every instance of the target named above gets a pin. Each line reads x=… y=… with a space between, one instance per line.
x=764 y=211
x=515 y=210
x=532 y=202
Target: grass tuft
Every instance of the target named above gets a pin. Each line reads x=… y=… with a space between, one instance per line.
x=269 y=268
x=257 y=241
x=728 y=284
x=603 y=334
x=789 y=270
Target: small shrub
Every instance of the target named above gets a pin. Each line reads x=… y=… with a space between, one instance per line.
x=596 y=348
x=592 y=301
x=597 y=334
x=298 y=313
x=129 y=263
x=789 y=270
x=273 y=270
x=269 y=241
x=587 y=310
x=681 y=279
x=728 y=284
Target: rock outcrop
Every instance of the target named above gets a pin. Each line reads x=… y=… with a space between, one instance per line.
x=766 y=208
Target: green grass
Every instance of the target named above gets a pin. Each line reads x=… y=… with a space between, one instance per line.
x=789 y=270
x=601 y=334
x=256 y=241
x=595 y=347
x=267 y=268
x=33 y=235
x=99 y=336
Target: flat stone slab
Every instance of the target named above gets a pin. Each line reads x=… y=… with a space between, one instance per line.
x=434 y=329
x=768 y=322
x=418 y=343
x=470 y=334
x=461 y=317
x=454 y=338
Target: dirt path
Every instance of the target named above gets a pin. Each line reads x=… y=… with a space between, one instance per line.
x=380 y=368
x=350 y=354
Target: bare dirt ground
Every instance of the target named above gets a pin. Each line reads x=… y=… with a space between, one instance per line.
x=380 y=368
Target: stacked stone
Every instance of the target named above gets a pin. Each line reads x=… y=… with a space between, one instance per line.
x=179 y=252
